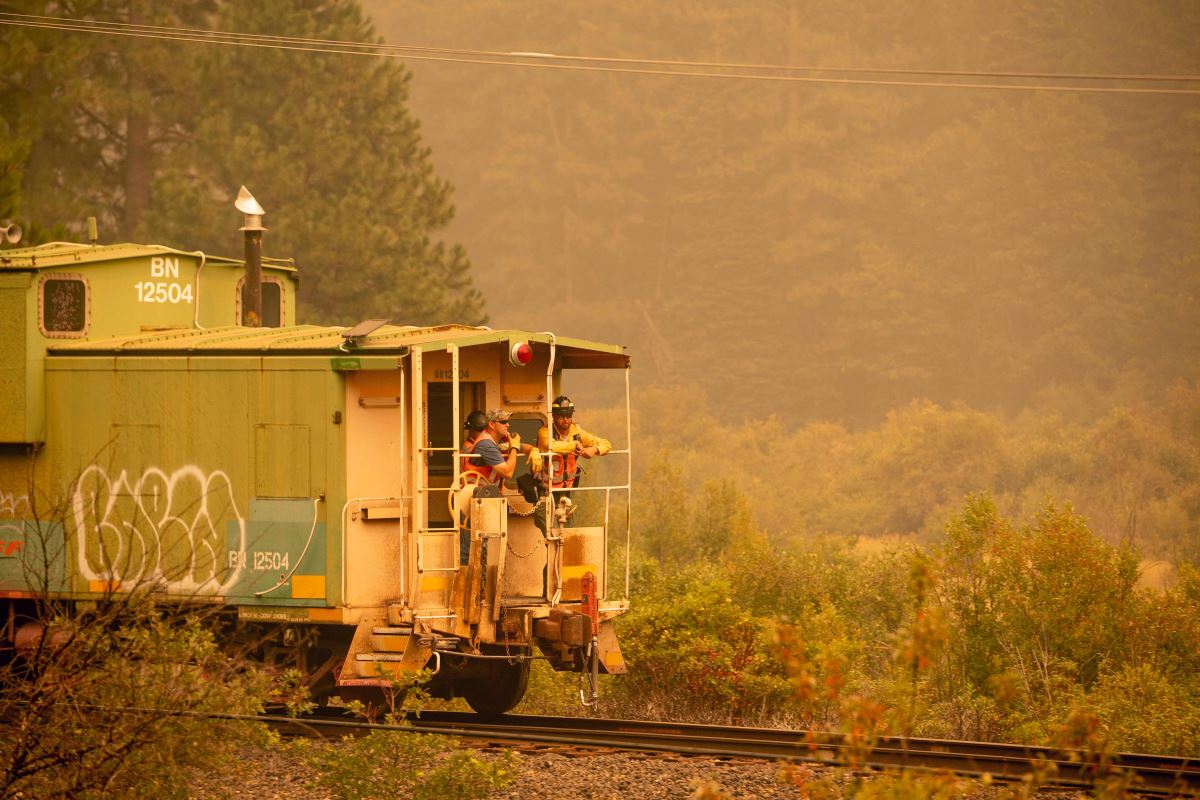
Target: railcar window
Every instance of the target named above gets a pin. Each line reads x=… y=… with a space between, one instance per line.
x=63 y=306
x=272 y=304
x=272 y=301
x=442 y=426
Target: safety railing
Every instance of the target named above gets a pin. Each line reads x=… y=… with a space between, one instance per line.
x=607 y=489
x=421 y=489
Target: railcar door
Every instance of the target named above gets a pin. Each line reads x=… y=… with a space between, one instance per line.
x=437 y=534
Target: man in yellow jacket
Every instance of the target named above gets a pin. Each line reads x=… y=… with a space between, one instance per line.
x=569 y=444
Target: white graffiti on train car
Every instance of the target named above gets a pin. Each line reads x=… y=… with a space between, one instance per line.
x=158 y=527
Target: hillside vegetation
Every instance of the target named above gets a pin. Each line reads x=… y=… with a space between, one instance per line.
x=833 y=251
x=950 y=573
x=1031 y=629
x=703 y=481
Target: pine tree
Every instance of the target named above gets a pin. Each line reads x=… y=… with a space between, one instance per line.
x=155 y=136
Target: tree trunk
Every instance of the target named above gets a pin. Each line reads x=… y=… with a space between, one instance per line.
x=138 y=172
x=138 y=161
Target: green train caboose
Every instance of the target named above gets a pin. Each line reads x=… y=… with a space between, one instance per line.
x=304 y=479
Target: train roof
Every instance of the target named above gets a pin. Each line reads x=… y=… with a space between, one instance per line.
x=56 y=255
x=333 y=341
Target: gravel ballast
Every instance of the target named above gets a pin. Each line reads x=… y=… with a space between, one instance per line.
x=275 y=774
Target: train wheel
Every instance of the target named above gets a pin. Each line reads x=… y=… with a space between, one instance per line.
x=500 y=690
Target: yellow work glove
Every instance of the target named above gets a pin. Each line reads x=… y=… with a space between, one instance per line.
x=535 y=460
x=514 y=441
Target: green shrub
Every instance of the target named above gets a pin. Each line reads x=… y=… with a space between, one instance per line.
x=70 y=729
x=390 y=763
x=694 y=651
x=1144 y=712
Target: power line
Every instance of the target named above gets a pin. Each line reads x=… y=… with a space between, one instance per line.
x=737 y=71
x=102 y=24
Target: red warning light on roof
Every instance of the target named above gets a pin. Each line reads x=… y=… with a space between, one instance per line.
x=520 y=354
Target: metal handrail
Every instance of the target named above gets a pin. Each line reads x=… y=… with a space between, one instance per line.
x=614 y=487
x=627 y=486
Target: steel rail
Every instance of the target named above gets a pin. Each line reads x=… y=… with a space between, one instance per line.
x=1145 y=773
x=1151 y=774
x=1148 y=774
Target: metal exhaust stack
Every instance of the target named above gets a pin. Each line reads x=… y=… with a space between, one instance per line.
x=253 y=228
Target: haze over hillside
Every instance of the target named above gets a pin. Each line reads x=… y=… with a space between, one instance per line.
x=829 y=250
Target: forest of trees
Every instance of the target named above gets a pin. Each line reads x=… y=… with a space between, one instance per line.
x=1007 y=630
x=1134 y=473
x=1013 y=601
x=916 y=397
x=154 y=137
x=833 y=251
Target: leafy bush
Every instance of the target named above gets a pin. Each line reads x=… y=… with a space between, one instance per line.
x=1144 y=712
x=101 y=707
x=393 y=763
x=694 y=651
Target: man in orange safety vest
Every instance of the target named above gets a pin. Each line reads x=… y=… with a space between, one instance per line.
x=569 y=444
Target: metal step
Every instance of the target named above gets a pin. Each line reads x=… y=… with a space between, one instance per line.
x=390 y=640
x=379 y=657
x=394 y=630
x=366 y=665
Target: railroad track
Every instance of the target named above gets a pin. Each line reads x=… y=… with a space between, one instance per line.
x=1148 y=774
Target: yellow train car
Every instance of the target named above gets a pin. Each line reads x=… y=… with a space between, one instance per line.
x=308 y=481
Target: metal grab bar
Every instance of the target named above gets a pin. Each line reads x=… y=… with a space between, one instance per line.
x=615 y=487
